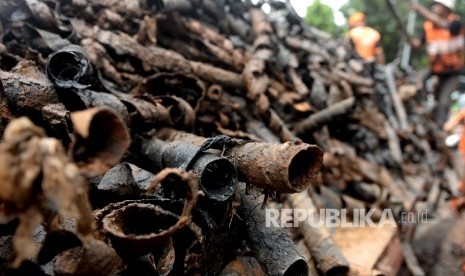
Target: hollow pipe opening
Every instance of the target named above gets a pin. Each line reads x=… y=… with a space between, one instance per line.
x=298 y=268
x=304 y=167
x=143 y=219
x=218 y=177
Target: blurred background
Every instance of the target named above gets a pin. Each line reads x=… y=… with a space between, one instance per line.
x=319 y=13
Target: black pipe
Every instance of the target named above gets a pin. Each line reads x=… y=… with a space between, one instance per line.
x=272 y=246
x=69 y=67
x=217 y=176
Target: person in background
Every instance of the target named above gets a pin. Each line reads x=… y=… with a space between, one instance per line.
x=449 y=126
x=443 y=35
x=365 y=40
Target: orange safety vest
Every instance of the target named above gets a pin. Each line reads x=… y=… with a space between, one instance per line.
x=365 y=40
x=445 y=52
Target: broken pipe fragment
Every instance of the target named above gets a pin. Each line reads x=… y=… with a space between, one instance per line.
x=125 y=180
x=27 y=94
x=69 y=67
x=137 y=228
x=102 y=139
x=94 y=257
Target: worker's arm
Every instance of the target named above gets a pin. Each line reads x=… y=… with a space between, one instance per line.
x=454 y=120
x=380 y=59
x=429 y=15
x=417 y=43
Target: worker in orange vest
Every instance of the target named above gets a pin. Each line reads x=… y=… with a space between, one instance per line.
x=443 y=35
x=365 y=40
x=453 y=122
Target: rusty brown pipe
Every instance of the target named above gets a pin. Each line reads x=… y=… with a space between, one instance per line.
x=136 y=228
x=324 y=116
x=182 y=115
x=243 y=266
x=92 y=258
x=171 y=134
x=26 y=94
x=286 y=168
x=139 y=228
x=214 y=92
x=102 y=140
x=144 y=112
x=83 y=99
x=185 y=86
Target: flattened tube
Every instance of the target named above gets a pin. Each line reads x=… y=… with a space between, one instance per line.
x=285 y=168
x=271 y=246
x=217 y=176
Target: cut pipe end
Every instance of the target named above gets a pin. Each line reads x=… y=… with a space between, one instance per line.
x=138 y=228
x=105 y=136
x=338 y=270
x=218 y=178
x=298 y=268
x=141 y=220
x=304 y=167
x=285 y=168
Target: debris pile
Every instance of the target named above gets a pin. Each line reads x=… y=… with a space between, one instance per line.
x=176 y=122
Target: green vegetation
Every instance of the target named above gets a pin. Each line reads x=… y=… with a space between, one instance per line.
x=321 y=16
